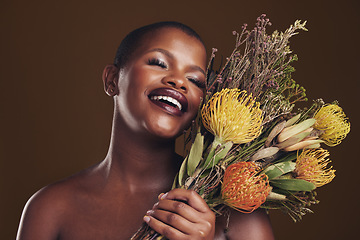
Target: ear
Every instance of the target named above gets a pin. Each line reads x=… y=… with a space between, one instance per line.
x=110 y=79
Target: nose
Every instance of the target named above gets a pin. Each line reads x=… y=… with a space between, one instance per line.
x=176 y=82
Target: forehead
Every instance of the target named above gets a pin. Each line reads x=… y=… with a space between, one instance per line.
x=171 y=39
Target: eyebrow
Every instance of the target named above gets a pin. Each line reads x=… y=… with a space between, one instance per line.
x=170 y=55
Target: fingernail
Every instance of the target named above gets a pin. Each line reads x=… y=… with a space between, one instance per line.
x=160 y=195
x=163 y=196
x=155 y=205
x=146 y=219
x=149 y=212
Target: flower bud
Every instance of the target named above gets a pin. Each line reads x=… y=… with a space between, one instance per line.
x=295 y=129
x=304 y=144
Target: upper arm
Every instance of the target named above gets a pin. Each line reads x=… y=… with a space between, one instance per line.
x=250 y=226
x=41 y=216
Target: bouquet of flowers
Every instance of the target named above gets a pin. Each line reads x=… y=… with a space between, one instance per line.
x=249 y=149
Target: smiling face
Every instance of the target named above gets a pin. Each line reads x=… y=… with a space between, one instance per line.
x=161 y=87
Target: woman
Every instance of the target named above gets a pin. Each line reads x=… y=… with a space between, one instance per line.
x=157 y=82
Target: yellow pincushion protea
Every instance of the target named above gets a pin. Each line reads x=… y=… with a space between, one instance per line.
x=244 y=189
x=333 y=122
x=311 y=166
x=232 y=115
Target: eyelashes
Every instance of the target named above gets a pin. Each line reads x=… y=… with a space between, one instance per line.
x=157 y=62
x=197 y=82
x=163 y=65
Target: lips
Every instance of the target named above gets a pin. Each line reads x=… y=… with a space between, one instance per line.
x=169 y=99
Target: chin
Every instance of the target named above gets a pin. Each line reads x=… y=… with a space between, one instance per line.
x=169 y=134
x=166 y=130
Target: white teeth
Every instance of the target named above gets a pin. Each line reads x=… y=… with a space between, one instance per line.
x=169 y=99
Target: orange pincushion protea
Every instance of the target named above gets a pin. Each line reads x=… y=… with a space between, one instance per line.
x=243 y=188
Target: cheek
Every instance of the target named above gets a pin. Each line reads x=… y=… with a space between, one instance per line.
x=131 y=97
x=135 y=85
x=141 y=78
x=134 y=78
x=197 y=97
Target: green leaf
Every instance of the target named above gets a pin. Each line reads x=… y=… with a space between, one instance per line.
x=195 y=154
x=222 y=153
x=292 y=120
x=219 y=154
x=279 y=169
x=176 y=179
x=211 y=153
x=290 y=157
x=182 y=172
x=293 y=184
x=273 y=196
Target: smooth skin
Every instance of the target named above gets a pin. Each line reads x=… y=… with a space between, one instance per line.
x=109 y=200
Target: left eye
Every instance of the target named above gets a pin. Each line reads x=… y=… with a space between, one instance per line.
x=197 y=82
x=157 y=62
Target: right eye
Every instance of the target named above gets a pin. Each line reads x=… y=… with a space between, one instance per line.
x=157 y=62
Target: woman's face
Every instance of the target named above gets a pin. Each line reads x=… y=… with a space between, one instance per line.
x=161 y=87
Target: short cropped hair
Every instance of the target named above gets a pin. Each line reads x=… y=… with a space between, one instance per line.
x=129 y=44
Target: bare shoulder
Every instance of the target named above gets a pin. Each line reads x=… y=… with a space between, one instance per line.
x=255 y=225
x=46 y=211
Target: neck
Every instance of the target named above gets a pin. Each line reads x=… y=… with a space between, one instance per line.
x=139 y=162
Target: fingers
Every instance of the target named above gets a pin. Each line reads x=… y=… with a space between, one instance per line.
x=173 y=226
x=189 y=196
x=177 y=207
x=164 y=229
x=182 y=214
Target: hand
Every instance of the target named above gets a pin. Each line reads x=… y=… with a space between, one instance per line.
x=182 y=214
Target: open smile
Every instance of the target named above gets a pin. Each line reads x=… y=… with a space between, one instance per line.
x=170 y=100
x=167 y=100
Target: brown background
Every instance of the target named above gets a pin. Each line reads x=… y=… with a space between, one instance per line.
x=56 y=119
